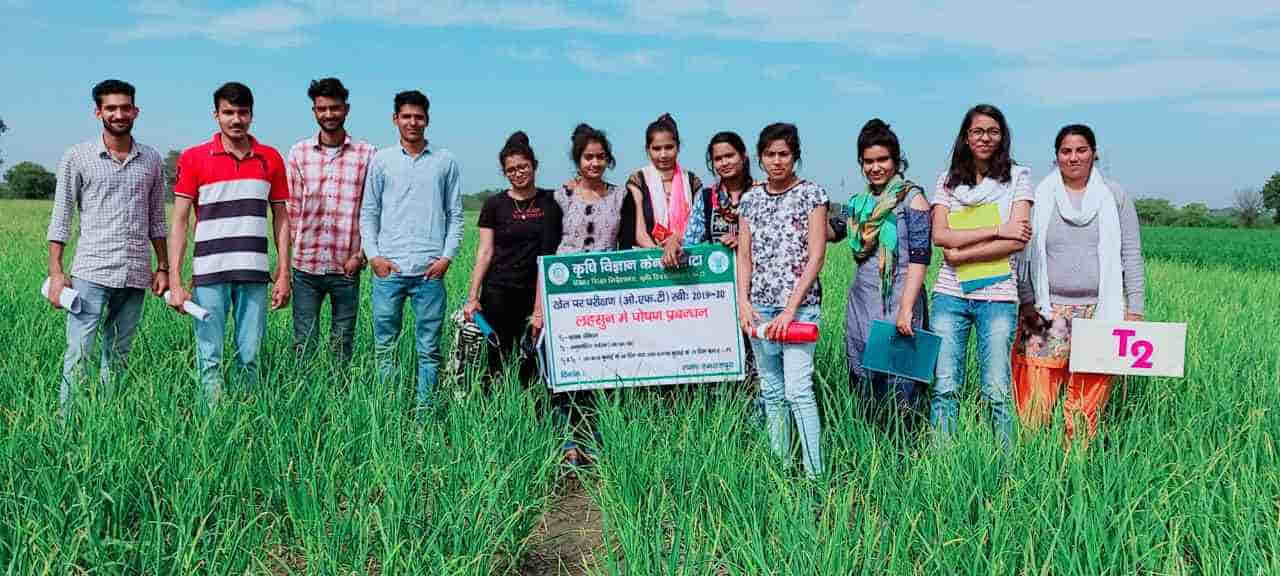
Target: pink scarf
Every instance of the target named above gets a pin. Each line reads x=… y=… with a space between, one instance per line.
x=670 y=212
x=678 y=210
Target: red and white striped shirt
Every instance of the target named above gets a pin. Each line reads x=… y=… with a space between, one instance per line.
x=232 y=198
x=325 y=189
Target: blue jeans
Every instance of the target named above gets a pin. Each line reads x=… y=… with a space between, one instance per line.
x=995 y=323
x=309 y=291
x=117 y=310
x=786 y=384
x=427 y=297
x=247 y=301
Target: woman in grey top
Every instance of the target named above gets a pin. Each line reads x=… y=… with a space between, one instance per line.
x=890 y=242
x=591 y=222
x=1084 y=261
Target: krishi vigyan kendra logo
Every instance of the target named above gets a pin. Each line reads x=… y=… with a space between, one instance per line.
x=558 y=273
x=718 y=262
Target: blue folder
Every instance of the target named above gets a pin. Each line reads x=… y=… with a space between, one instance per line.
x=911 y=357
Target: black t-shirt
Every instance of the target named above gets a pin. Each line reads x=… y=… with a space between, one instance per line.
x=522 y=231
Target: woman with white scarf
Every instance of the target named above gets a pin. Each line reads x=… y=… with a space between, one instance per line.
x=661 y=194
x=1084 y=261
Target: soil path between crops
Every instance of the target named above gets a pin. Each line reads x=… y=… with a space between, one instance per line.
x=568 y=536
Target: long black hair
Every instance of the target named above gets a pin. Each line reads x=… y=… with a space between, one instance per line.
x=735 y=141
x=964 y=167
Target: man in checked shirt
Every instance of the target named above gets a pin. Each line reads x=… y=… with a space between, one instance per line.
x=117 y=184
x=326 y=184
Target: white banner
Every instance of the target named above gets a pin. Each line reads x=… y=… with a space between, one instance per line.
x=619 y=319
x=1128 y=348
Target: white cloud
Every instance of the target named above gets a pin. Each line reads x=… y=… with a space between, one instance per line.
x=1237 y=107
x=779 y=71
x=593 y=60
x=526 y=53
x=273 y=25
x=1012 y=27
x=1144 y=80
x=1058 y=53
x=852 y=86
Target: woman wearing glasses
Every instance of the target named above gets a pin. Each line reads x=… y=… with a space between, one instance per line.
x=989 y=198
x=515 y=227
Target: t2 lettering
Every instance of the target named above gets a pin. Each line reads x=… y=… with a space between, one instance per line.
x=1140 y=349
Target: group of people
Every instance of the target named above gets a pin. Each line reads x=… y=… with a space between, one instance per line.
x=335 y=205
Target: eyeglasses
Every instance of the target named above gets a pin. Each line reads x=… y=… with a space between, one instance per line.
x=519 y=169
x=992 y=132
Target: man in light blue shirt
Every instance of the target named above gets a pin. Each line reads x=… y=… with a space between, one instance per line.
x=410 y=228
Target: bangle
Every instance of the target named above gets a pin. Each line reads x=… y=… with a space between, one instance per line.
x=164 y=269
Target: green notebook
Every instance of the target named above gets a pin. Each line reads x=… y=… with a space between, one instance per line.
x=911 y=357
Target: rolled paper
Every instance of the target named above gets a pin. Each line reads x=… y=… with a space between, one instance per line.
x=69 y=299
x=189 y=307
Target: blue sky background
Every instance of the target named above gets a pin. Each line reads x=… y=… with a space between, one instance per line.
x=1185 y=96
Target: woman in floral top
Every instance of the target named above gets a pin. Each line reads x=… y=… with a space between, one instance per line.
x=781 y=245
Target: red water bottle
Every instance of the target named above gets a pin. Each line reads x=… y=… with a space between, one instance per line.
x=796 y=333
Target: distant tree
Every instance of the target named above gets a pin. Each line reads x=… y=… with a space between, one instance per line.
x=3 y=128
x=31 y=181
x=475 y=201
x=1194 y=215
x=1248 y=204
x=171 y=170
x=1271 y=196
x=1156 y=212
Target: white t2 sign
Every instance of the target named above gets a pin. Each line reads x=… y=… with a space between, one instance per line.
x=1128 y=348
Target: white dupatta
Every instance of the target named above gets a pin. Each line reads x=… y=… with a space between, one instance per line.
x=1098 y=202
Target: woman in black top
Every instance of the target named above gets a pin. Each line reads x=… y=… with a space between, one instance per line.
x=515 y=227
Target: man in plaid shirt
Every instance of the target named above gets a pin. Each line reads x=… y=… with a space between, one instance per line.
x=117 y=184
x=326 y=184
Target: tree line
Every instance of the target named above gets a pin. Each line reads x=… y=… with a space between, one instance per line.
x=1251 y=207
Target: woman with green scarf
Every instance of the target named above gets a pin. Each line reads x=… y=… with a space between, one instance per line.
x=889 y=235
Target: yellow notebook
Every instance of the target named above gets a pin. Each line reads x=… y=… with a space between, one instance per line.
x=977 y=275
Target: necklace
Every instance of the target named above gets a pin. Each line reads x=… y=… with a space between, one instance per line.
x=521 y=212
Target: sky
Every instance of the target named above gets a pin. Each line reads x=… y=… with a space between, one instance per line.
x=1184 y=96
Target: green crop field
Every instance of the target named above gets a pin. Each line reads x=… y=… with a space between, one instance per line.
x=323 y=474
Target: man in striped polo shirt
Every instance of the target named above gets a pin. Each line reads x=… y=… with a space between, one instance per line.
x=231 y=180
